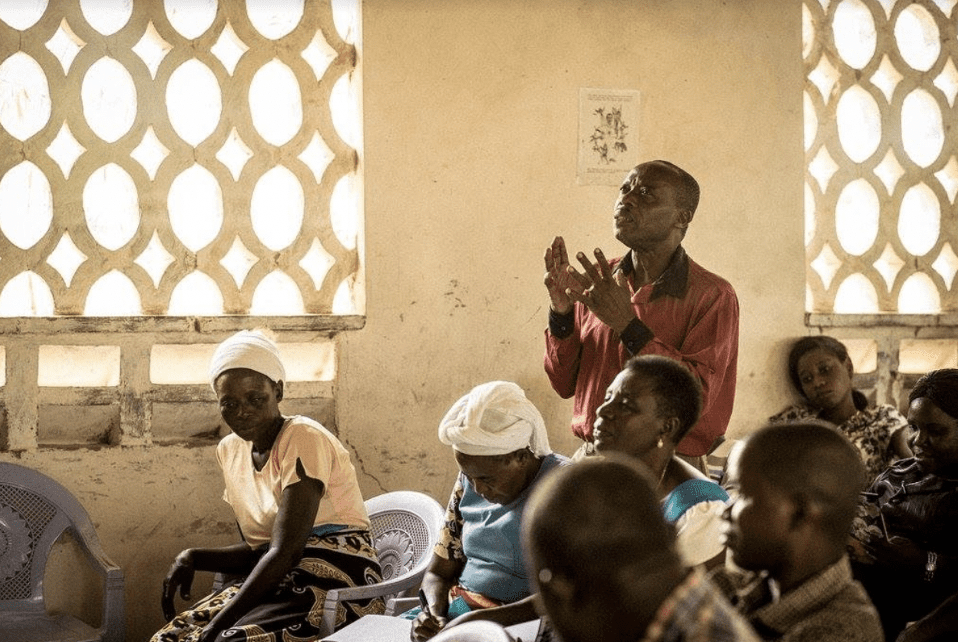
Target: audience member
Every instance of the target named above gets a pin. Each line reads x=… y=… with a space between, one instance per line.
x=294 y=492
x=821 y=371
x=649 y=407
x=605 y=565
x=903 y=547
x=500 y=443
x=787 y=529
x=652 y=300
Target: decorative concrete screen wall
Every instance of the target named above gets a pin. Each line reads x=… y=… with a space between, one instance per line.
x=171 y=172
x=881 y=219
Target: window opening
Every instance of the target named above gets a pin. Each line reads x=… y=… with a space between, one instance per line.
x=882 y=175
x=180 y=158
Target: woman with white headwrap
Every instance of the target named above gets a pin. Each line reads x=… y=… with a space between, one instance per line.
x=297 y=502
x=500 y=444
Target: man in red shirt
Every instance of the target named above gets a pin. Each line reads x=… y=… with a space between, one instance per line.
x=652 y=300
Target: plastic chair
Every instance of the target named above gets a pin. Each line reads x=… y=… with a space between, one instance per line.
x=34 y=512
x=405 y=527
x=477 y=631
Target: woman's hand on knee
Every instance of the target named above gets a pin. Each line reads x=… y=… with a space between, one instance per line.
x=180 y=577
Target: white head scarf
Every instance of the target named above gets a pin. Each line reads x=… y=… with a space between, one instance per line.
x=250 y=349
x=494 y=418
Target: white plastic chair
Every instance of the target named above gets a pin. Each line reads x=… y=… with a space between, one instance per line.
x=405 y=527
x=34 y=512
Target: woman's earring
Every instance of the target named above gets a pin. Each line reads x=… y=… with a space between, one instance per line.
x=661 y=443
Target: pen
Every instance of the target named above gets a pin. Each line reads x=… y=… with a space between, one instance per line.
x=884 y=526
x=424 y=603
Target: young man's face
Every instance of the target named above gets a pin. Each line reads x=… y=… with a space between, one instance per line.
x=757 y=522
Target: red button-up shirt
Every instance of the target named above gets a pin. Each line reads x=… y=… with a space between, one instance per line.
x=690 y=314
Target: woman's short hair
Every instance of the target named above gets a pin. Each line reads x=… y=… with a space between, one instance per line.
x=677 y=391
x=805 y=345
x=941 y=387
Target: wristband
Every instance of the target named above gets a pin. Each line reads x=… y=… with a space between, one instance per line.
x=561 y=325
x=930 y=565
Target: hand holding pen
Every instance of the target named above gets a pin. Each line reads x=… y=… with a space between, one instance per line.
x=426 y=624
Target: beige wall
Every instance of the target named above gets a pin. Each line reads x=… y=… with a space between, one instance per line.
x=470 y=154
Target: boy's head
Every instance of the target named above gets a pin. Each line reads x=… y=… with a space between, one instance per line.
x=596 y=572
x=799 y=491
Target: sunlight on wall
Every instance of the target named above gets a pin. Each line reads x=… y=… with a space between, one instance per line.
x=918 y=356
x=68 y=366
x=189 y=364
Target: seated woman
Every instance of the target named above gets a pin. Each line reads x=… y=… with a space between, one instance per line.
x=294 y=493
x=821 y=372
x=903 y=547
x=649 y=407
x=500 y=443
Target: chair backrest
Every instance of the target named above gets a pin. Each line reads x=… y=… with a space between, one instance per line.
x=34 y=511
x=405 y=526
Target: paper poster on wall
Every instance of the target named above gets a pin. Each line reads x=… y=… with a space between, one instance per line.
x=608 y=135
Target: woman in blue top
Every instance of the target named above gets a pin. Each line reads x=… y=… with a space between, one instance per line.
x=500 y=444
x=649 y=407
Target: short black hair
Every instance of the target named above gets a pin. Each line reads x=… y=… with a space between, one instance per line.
x=941 y=387
x=687 y=187
x=677 y=391
x=811 y=459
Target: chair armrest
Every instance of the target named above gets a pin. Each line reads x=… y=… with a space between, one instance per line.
x=114 y=608
x=334 y=597
x=398 y=605
x=113 y=624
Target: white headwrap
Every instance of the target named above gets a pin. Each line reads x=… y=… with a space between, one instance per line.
x=494 y=418
x=250 y=349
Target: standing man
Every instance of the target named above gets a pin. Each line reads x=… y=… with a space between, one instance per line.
x=652 y=300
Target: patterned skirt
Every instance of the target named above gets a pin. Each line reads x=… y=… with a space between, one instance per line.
x=294 y=610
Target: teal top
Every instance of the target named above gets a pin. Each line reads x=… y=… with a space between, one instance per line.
x=490 y=540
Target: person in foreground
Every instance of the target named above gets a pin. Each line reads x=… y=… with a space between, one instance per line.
x=903 y=545
x=294 y=493
x=652 y=300
x=600 y=577
x=821 y=371
x=649 y=407
x=500 y=443
x=787 y=530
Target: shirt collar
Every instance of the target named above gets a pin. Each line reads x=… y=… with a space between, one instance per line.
x=673 y=281
x=785 y=612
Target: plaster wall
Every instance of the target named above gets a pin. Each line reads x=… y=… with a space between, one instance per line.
x=470 y=161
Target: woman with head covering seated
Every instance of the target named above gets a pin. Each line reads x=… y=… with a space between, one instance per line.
x=294 y=493
x=649 y=407
x=821 y=371
x=903 y=548
x=500 y=443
